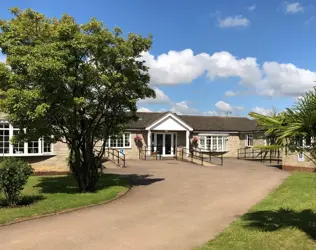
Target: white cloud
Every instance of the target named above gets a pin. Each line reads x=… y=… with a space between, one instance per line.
x=183 y=108
x=231 y=93
x=263 y=111
x=161 y=98
x=252 y=7
x=184 y=67
x=293 y=7
x=270 y=78
x=285 y=79
x=174 y=67
x=233 y=21
x=142 y=109
x=239 y=108
x=223 y=106
x=211 y=113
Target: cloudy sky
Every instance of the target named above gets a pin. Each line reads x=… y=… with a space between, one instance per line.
x=212 y=57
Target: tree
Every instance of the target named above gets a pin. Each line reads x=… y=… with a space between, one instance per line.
x=289 y=129
x=79 y=83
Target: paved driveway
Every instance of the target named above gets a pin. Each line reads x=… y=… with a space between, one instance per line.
x=173 y=205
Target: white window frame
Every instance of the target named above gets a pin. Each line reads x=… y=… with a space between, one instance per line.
x=25 y=146
x=212 y=138
x=123 y=138
x=247 y=144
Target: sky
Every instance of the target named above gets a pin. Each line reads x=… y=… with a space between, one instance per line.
x=218 y=57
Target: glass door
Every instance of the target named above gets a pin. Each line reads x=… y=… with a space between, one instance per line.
x=168 y=144
x=163 y=143
x=159 y=143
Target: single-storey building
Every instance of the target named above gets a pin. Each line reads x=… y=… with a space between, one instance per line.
x=161 y=132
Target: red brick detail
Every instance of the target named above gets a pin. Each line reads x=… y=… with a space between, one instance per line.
x=300 y=169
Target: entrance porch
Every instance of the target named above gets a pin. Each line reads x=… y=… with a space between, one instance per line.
x=166 y=134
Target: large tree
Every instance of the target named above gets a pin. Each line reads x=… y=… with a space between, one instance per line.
x=76 y=82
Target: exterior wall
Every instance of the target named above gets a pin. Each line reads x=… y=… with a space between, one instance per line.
x=133 y=152
x=290 y=162
x=237 y=140
x=181 y=142
x=232 y=145
x=58 y=161
x=258 y=139
x=54 y=163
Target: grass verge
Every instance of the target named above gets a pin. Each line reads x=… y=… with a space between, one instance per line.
x=286 y=219
x=51 y=194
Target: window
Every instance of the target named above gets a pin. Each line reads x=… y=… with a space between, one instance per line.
x=18 y=148
x=249 y=140
x=46 y=146
x=123 y=141
x=4 y=138
x=213 y=143
x=34 y=147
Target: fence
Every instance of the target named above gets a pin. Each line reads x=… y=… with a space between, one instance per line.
x=258 y=154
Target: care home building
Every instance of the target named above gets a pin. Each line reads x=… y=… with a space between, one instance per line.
x=159 y=132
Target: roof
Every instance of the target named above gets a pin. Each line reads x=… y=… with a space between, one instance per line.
x=199 y=123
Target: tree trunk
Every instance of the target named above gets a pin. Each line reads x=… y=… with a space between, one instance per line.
x=85 y=166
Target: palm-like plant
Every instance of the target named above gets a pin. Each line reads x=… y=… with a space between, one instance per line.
x=285 y=128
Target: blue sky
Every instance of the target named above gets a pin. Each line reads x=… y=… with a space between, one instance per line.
x=211 y=57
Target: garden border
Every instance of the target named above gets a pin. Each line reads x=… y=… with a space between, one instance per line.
x=119 y=195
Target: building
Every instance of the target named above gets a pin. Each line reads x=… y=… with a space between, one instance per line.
x=158 y=131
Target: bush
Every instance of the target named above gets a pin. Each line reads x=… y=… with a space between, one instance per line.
x=14 y=174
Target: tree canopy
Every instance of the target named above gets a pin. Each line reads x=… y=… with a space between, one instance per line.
x=77 y=82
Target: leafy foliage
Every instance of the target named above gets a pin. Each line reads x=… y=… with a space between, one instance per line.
x=79 y=83
x=14 y=174
x=287 y=128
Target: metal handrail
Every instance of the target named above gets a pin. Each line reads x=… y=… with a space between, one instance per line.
x=115 y=156
x=259 y=154
x=143 y=153
x=215 y=154
x=200 y=155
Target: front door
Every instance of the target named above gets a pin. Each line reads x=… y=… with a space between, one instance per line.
x=159 y=143
x=164 y=143
x=168 y=144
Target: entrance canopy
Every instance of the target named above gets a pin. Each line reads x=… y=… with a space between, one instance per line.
x=169 y=122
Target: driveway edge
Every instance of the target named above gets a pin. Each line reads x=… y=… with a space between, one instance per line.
x=119 y=195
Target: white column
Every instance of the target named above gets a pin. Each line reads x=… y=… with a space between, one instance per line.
x=149 y=142
x=187 y=141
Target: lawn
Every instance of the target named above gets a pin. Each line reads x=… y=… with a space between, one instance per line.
x=286 y=219
x=50 y=194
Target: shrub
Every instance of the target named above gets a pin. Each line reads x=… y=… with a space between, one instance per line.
x=14 y=174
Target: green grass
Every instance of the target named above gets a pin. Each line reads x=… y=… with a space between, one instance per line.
x=50 y=194
x=286 y=219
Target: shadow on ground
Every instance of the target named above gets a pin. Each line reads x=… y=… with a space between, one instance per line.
x=24 y=201
x=67 y=184
x=270 y=221
x=278 y=166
